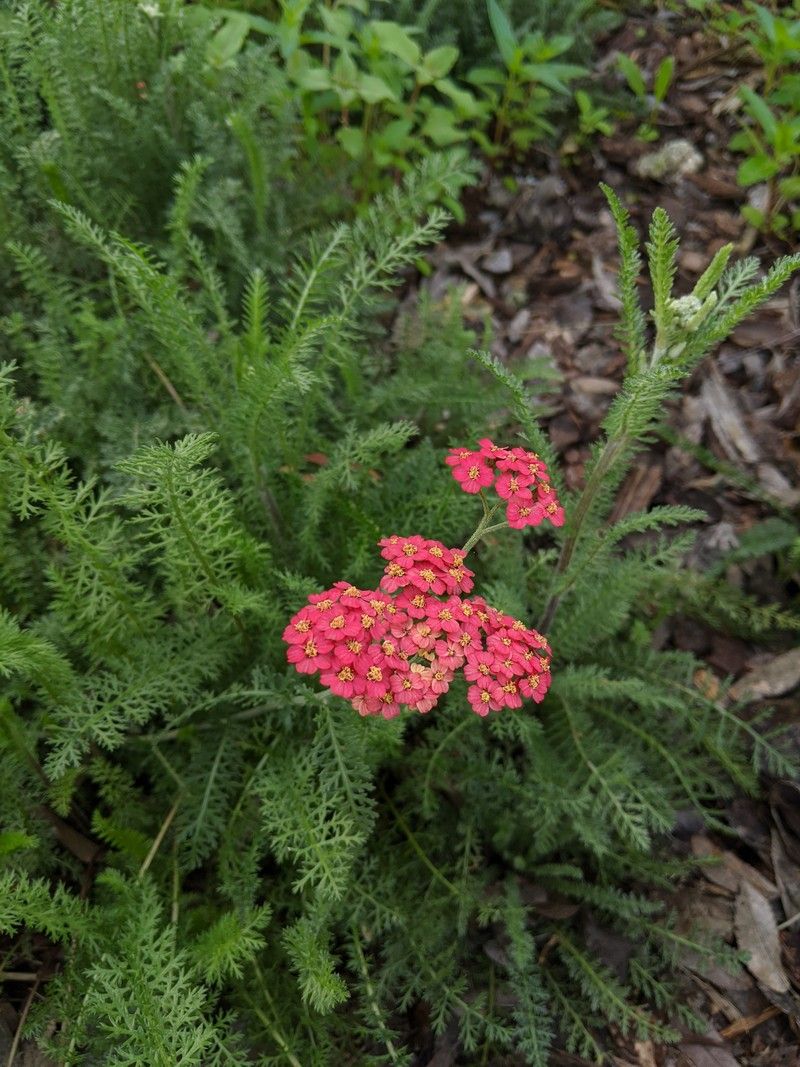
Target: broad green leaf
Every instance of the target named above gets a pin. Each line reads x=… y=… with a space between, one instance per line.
x=465 y=103
x=663 y=78
x=632 y=73
x=395 y=134
x=760 y=111
x=503 y=32
x=440 y=127
x=227 y=42
x=373 y=89
x=758 y=168
x=486 y=76
x=790 y=187
x=436 y=63
x=352 y=140
x=396 y=41
x=753 y=216
x=554 y=75
x=314 y=79
x=337 y=22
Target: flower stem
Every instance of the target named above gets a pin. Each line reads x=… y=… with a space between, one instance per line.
x=484 y=526
x=582 y=509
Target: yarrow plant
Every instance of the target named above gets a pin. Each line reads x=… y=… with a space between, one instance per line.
x=402 y=644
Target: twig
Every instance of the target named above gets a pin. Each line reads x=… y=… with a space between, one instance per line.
x=159 y=838
x=12 y=1052
x=749 y=1022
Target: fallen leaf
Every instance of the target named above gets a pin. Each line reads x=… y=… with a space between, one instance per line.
x=730 y=871
x=708 y=1051
x=787 y=875
x=771 y=679
x=757 y=934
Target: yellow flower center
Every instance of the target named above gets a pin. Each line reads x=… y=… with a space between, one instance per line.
x=437 y=552
x=428 y=575
x=375 y=674
x=302 y=626
x=337 y=623
x=474 y=472
x=310 y=649
x=345 y=675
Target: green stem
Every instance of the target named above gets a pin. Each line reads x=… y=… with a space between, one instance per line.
x=418 y=848
x=608 y=457
x=484 y=526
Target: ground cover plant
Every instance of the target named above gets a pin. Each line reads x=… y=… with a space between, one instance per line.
x=214 y=419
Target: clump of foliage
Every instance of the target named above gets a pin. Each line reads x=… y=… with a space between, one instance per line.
x=279 y=877
x=648 y=102
x=770 y=134
x=369 y=86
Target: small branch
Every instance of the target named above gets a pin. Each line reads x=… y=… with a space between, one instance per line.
x=12 y=1052
x=159 y=838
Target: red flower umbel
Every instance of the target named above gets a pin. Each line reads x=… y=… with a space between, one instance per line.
x=400 y=646
x=518 y=476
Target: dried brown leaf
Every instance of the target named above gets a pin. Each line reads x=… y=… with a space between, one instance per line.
x=771 y=679
x=757 y=934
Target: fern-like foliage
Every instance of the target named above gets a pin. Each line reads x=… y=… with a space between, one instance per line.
x=213 y=404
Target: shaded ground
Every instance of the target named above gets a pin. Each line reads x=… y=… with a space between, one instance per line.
x=540 y=262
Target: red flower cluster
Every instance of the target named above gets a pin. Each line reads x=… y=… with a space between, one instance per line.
x=401 y=645
x=519 y=476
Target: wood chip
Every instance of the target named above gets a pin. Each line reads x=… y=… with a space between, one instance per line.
x=757 y=934
x=727 y=420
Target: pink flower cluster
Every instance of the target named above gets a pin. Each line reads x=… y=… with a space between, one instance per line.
x=401 y=645
x=519 y=476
